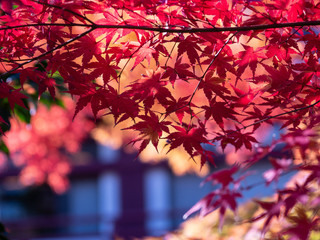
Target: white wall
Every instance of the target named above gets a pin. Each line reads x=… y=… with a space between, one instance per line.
x=109 y=201
x=157 y=189
x=83 y=201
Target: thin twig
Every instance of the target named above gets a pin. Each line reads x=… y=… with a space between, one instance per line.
x=210 y=64
x=175 y=43
x=46 y=53
x=131 y=56
x=268 y=118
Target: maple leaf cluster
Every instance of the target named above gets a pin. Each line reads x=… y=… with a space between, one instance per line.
x=212 y=74
x=41 y=148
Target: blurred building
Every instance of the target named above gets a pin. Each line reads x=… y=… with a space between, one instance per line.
x=111 y=194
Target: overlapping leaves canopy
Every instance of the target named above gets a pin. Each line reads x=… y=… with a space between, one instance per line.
x=212 y=72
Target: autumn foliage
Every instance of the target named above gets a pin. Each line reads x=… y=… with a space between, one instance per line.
x=192 y=75
x=42 y=147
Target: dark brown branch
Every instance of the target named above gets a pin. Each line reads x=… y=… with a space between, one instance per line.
x=47 y=24
x=175 y=29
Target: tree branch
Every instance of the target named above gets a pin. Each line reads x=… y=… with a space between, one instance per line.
x=175 y=29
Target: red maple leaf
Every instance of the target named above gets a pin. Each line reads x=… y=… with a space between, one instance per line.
x=213 y=85
x=2 y=121
x=44 y=82
x=312 y=43
x=245 y=98
x=47 y=83
x=282 y=46
x=278 y=54
x=298 y=193
x=30 y=73
x=248 y=58
x=222 y=63
x=190 y=138
x=272 y=209
x=149 y=88
x=13 y=95
x=223 y=176
x=88 y=94
x=145 y=51
x=279 y=167
x=309 y=72
x=219 y=111
x=151 y=129
x=6 y=6
x=103 y=67
x=258 y=114
x=221 y=199
x=315 y=172
x=122 y=106
x=190 y=46
x=179 y=107
x=301 y=225
x=53 y=36
x=87 y=47
x=88 y=39
x=277 y=78
x=179 y=71
x=236 y=138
